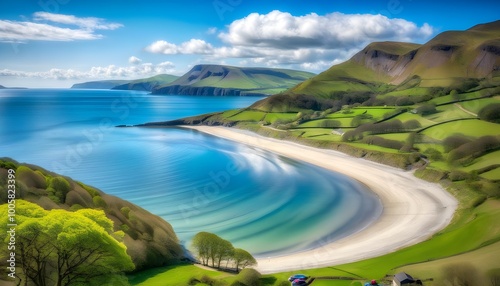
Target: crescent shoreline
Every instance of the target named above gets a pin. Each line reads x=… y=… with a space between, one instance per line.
x=413 y=209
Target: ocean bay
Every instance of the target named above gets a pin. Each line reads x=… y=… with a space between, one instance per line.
x=260 y=201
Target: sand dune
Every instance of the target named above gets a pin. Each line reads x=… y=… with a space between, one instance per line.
x=413 y=209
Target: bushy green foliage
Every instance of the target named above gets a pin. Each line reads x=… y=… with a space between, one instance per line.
x=31 y=178
x=249 y=277
x=426 y=109
x=433 y=154
x=58 y=189
x=75 y=248
x=454 y=141
x=469 y=151
x=456 y=175
x=382 y=142
x=8 y=165
x=412 y=124
x=490 y=113
x=99 y=202
x=125 y=211
x=330 y=123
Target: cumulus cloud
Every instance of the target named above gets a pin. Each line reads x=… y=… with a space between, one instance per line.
x=193 y=46
x=134 y=60
x=282 y=30
x=97 y=73
x=84 y=28
x=312 y=41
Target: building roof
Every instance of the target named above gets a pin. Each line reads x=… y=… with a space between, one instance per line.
x=402 y=277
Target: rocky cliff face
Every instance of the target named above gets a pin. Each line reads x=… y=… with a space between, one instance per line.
x=205 y=91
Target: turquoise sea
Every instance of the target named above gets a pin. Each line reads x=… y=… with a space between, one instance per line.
x=262 y=202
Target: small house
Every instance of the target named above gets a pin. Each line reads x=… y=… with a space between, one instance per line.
x=403 y=279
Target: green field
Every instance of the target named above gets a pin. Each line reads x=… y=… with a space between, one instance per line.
x=272 y=117
x=172 y=275
x=474 y=128
x=248 y=115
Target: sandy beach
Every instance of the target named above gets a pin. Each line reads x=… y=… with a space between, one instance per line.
x=413 y=209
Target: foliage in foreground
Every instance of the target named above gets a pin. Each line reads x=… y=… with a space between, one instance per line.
x=215 y=250
x=66 y=248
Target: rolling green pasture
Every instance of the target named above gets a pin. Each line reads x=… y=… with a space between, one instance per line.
x=476 y=105
x=447 y=113
x=248 y=115
x=172 y=275
x=474 y=128
x=272 y=116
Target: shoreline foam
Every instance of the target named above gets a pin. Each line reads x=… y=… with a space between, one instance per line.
x=413 y=211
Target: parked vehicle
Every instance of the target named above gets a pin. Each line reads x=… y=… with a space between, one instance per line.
x=297 y=276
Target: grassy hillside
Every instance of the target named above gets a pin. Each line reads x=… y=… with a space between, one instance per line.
x=453 y=60
x=150 y=241
x=147 y=84
x=224 y=80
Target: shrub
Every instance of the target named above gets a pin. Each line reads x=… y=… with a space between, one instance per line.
x=458 y=175
x=404 y=101
x=454 y=141
x=490 y=113
x=125 y=211
x=99 y=202
x=249 y=277
x=426 y=109
x=59 y=187
x=207 y=280
x=412 y=124
x=193 y=281
x=330 y=123
x=469 y=151
x=433 y=154
x=382 y=142
x=31 y=178
x=76 y=207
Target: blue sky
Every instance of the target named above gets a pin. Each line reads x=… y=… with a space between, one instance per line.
x=55 y=43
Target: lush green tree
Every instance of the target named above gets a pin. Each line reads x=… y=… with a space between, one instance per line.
x=62 y=248
x=242 y=259
x=490 y=113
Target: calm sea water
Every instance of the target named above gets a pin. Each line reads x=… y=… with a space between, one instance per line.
x=261 y=202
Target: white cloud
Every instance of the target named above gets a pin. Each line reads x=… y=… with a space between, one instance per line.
x=193 y=46
x=96 y=73
x=21 y=31
x=88 y=22
x=282 y=30
x=312 y=41
x=134 y=60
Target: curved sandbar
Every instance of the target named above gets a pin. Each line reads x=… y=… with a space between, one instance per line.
x=413 y=209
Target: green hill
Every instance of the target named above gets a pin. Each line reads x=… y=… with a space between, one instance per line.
x=150 y=241
x=452 y=60
x=228 y=80
x=147 y=84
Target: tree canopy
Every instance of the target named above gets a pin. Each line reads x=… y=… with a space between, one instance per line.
x=62 y=248
x=212 y=249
